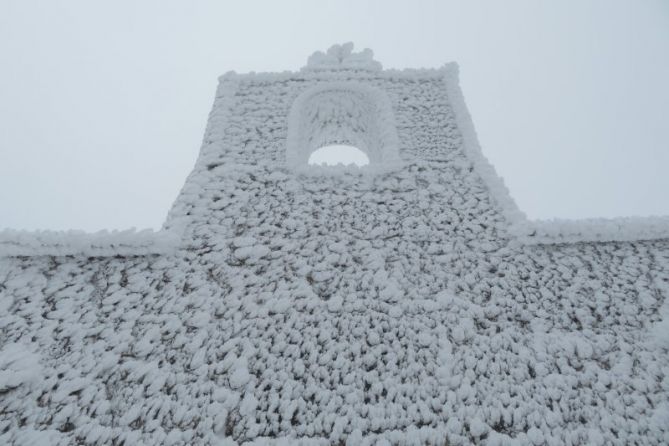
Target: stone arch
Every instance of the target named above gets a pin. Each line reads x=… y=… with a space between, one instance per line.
x=342 y=113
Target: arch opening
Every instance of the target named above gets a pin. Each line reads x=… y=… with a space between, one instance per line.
x=340 y=114
x=338 y=154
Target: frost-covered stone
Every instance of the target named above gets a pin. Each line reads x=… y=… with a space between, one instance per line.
x=101 y=244
x=340 y=57
x=18 y=367
x=239 y=377
x=335 y=304
x=477 y=427
x=394 y=304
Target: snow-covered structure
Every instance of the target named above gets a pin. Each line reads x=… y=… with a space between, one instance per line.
x=407 y=302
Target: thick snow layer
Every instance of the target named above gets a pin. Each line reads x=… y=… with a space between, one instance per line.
x=100 y=244
x=18 y=367
x=341 y=308
x=373 y=310
x=595 y=230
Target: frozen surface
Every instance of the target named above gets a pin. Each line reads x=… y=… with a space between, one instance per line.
x=334 y=155
x=340 y=113
x=99 y=244
x=342 y=57
x=341 y=305
x=601 y=230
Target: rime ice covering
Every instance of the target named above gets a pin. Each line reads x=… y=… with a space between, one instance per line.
x=342 y=57
x=404 y=305
x=100 y=244
x=354 y=113
x=625 y=229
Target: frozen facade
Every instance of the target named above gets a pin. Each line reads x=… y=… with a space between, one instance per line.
x=407 y=302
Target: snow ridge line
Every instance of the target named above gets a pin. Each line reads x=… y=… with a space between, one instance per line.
x=212 y=147
x=621 y=229
x=540 y=232
x=472 y=147
x=14 y=243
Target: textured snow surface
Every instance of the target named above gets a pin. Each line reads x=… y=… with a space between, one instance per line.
x=400 y=315
x=601 y=230
x=339 y=307
x=543 y=231
x=339 y=112
x=99 y=244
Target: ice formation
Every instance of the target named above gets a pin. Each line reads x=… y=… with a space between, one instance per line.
x=342 y=57
x=408 y=302
x=99 y=244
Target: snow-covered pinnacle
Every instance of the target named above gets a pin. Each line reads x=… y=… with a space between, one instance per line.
x=342 y=57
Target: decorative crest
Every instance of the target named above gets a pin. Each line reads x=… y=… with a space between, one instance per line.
x=342 y=57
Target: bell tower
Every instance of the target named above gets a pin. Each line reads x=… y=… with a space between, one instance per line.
x=404 y=302
x=405 y=121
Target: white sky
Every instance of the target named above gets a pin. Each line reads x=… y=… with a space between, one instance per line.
x=103 y=104
x=336 y=154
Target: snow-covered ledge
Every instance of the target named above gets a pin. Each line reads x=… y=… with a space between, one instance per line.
x=537 y=232
x=623 y=229
x=130 y=242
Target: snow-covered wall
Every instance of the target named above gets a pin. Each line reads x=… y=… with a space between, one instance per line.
x=342 y=113
x=100 y=244
x=361 y=306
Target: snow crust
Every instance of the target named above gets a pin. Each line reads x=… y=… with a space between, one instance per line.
x=18 y=367
x=342 y=57
x=340 y=308
x=130 y=242
x=624 y=229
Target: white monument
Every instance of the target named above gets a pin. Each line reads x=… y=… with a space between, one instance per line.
x=405 y=302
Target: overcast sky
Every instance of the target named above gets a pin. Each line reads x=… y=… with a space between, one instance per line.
x=103 y=104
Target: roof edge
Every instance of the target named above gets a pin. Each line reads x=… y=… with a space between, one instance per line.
x=601 y=230
x=131 y=243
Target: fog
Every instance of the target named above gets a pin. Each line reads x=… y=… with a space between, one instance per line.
x=103 y=104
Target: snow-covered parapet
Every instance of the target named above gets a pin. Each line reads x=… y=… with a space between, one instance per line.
x=130 y=242
x=342 y=57
x=624 y=229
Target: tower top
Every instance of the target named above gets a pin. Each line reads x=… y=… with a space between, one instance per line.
x=342 y=57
